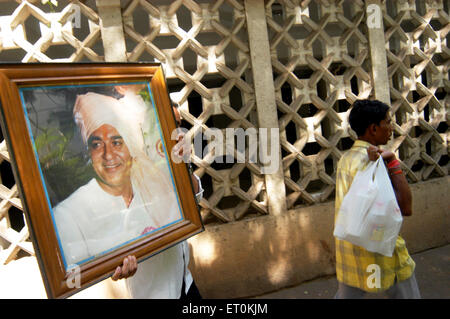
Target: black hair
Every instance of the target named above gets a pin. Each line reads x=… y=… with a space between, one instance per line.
x=366 y=112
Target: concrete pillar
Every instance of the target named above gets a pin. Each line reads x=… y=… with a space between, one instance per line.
x=377 y=48
x=112 y=30
x=265 y=98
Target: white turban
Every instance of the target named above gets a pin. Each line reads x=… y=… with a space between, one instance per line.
x=154 y=184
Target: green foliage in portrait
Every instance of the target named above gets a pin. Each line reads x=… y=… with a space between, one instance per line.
x=63 y=171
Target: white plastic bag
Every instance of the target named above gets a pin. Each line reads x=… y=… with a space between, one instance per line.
x=369 y=215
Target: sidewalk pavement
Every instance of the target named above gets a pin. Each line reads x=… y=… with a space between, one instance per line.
x=21 y=279
x=432 y=275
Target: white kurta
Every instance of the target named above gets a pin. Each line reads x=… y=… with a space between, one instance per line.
x=90 y=222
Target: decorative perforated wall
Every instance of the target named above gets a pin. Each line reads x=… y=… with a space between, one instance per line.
x=321 y=55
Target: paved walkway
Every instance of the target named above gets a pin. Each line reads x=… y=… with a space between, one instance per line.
x=432 y=274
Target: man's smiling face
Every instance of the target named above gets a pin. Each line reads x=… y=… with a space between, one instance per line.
x=110 y=156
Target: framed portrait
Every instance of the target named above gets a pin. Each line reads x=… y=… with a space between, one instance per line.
x=90 y=146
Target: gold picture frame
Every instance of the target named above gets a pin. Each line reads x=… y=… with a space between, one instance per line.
x=36 y=96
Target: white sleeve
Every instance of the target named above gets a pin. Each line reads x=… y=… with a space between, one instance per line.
x=70 y=237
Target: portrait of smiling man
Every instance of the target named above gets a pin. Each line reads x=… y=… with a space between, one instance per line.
x=121 y=202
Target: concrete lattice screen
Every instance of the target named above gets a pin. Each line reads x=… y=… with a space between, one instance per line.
x=322 y=57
